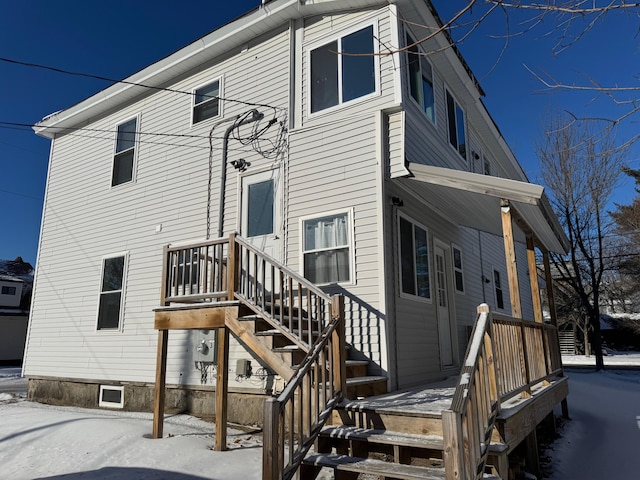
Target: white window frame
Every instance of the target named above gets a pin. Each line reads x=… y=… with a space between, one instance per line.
x=350 y=244
x=134 y=166
x=193 y=100
x=338 y=37
x=456 y=269
x=414 y=224
x=410 y=37
x=119 y=328
x=456 y=104
x=107 y=404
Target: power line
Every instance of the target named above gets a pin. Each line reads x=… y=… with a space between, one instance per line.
x=127 y=82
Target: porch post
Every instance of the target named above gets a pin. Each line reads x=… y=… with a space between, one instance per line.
x=510 y=253
x=222 y=389
x=533 y=280
x=161 y=374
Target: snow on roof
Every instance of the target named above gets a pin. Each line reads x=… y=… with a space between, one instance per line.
x=16 y=269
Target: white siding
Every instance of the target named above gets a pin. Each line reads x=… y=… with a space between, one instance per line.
x=86 y=219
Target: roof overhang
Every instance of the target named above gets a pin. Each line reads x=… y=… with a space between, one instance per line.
x=474 y=200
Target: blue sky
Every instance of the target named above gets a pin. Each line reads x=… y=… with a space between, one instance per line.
x=115 y=38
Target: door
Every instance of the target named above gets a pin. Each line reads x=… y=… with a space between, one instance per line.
x=443 y=306
x=260 y=219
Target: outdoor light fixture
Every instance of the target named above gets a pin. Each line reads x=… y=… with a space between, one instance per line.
x=240 y=165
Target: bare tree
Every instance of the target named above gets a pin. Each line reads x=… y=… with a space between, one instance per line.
x=581 y=168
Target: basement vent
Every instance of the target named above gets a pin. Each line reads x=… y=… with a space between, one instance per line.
x=111 y=396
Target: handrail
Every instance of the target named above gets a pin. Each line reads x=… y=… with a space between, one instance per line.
x=293 y=421
x=468 y=423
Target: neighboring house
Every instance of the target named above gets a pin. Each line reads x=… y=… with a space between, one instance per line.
x=16 y=279
x=377 y=174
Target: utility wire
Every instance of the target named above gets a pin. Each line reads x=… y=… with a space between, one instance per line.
x=127 y=82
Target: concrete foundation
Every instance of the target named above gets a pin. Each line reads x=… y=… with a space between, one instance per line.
x=243 y=408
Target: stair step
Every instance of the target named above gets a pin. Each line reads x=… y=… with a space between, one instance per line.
x=275 y=331
x=343 y=432
x=370 y=466
x=355 y=381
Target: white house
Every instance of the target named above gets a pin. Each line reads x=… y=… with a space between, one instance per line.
x=335 y=140
x=16 y=277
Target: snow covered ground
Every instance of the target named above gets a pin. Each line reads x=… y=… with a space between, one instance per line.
x=601 y=442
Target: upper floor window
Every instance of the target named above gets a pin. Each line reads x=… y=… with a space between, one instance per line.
x=111 y=289
x=498 y=290
x=327 y=249
x=206 y=102
x=125 y=153
x=420 y=79
x=455 y=116
x=343 y=70
x=414 y=259
x=487 y=165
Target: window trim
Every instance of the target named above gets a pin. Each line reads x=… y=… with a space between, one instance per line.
x=14 y=293
x=409 y=36
x=351 y=242
x=106 y=404
x=402 y=293
x=457 y=104
x=136 y=141
x=123 y=289
x=218 y=79
x=338 y=36
x=455 y=269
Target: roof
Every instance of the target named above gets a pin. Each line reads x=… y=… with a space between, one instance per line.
x=474 y=200
x=16 y=269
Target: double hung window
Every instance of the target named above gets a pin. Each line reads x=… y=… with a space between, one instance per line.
x=457 y=135
x=111 y=293
x=420 y=79
x=206 y=102
x=125 y=153
x=343 y=70
x=327 y=249
x=414 y=259
x=498 y=289
x=457 y=269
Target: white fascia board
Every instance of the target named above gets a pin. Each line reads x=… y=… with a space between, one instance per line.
x=508 y=189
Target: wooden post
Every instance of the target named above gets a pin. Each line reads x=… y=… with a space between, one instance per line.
x=510 y=253
x=454 y=464
x=533 y=279
x=550 y=295
x=161 y=374
x=270 y=442
x=222 y=389
x=339 y=349
x=165 y=274
x=233 y=267
x=531 y=454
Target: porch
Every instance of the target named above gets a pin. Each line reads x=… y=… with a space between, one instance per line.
x=510 y=381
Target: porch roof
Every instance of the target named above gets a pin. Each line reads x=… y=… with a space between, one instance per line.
x=474 y=200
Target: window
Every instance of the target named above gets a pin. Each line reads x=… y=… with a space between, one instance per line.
x=498 y=287
x=343 y=70
x=455 y=116
x=206 y=102
x=124 y=156
x=457 y=269
x=487 y=165
x=326 y=249
x=8 y=290
x=414 y=259
x=260 y=212
x=111 y=396
x=420 y=79
x=110 y=306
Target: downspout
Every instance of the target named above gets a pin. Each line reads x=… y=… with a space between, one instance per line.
x=223 y=170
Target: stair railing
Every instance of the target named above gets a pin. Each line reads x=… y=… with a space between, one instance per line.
x=468 y=424
x=293 y=421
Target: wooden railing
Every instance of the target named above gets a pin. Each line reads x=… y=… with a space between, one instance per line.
x=527 y=353
x=228 y=269
x=293 y=421
x=468 y=424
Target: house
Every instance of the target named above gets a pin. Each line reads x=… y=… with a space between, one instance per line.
x=314 y=171
x=16 y=278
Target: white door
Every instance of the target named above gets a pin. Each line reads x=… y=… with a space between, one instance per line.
x=260 y=219
x=442 y=305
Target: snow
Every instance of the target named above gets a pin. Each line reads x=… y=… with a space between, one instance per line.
x=48 y=442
